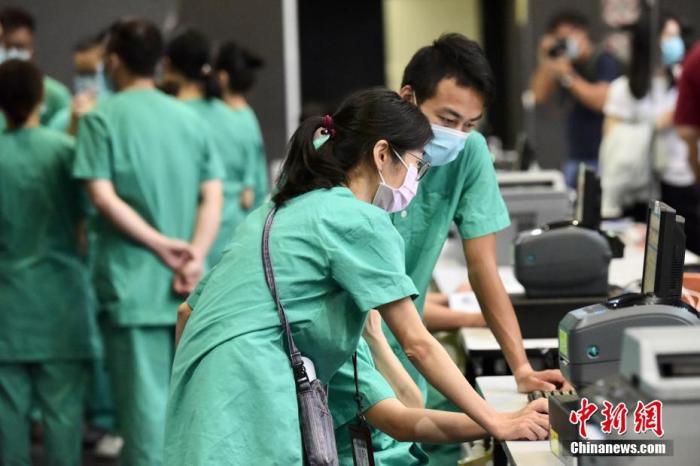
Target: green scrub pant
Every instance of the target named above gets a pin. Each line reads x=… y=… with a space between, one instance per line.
x=99 y=410
x=139 y=360
x=58 y=388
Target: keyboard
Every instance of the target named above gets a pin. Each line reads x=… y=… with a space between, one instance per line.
x=537 y=394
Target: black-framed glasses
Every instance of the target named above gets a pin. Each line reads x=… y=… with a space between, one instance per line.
x=422 y=164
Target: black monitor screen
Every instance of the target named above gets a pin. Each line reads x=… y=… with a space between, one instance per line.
x=664 y=253
x=588 y=198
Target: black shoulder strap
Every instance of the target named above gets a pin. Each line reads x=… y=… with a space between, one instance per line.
x=358 y=395
x=300 y=376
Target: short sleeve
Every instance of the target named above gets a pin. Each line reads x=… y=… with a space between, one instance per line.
x=366 y=255
x=607 y=68
x=341 y=388
x=619 y=102
x=212 y=166
x=480 y=209
x=688 y=104
x=93 y=148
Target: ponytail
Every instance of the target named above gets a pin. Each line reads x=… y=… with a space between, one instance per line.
x=352 y=132
x=189 y=54
x=307 y=167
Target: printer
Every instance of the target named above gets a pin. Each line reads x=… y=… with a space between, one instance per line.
x=569 y=258
x=590 y=338
x=658 y=363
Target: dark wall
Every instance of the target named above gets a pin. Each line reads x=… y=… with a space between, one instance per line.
x=61 y=23
x=257 y=25
x=342 y=48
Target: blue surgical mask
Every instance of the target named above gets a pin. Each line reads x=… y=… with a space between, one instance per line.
x=446 y=145
x=672 y=50
x=94 y=83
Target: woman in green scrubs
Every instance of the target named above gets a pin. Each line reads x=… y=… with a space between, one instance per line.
x=392 y=404
x=335 y=256
x=47 y=326
x=189 y=76
x=236 y=70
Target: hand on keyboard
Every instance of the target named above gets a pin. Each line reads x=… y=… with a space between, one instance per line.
x=537 y=394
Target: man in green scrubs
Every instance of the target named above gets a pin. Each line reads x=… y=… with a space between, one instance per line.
x=18 y=27
x=452 y=83
x=48 y=332
x=153 y=177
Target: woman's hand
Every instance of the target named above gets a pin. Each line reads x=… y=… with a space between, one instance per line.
x=247 y=198
x=183 y=313
x=540 y=405
x=174 y=253
x=373 y=327
x=531 y=425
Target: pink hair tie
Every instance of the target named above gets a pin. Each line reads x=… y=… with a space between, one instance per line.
x=327 y=124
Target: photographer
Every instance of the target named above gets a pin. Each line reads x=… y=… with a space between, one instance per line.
x=571 y=65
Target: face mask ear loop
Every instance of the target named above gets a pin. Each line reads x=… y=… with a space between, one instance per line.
x=400 y=159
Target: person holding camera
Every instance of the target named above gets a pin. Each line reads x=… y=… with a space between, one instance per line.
x=572 y=66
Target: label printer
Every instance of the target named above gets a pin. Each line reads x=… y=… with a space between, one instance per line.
x=591 y=338
x=569 y=258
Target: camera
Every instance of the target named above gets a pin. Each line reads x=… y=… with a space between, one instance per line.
x=558 y=49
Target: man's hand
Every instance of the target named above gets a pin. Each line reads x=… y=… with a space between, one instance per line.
x=187 y=277
x=546 y=43
x=247 y=198
x=183 y=313
x=174 y=253
x=529 y=380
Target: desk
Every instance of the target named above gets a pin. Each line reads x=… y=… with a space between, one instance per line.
x=482 y=340
x=502 y=393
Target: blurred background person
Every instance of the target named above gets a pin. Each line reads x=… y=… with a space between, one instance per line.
x=48 y=333
x=236 y=69
x=577 y=72
x=151 y=174
x=187 y=72
x=647 y=95
x=18 y=28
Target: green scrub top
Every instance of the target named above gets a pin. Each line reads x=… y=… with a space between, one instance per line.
x=232 y=141
x=232 y=389
x=251 y=143
x=156 y=152
x=373 y=388
x=56 y=97
x=46 y=308
x=465 y=192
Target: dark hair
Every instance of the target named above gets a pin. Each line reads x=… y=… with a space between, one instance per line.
x=362 y=119
x=572 y=17
x=21 y=90
x=138 y=44
x=90 y=42
x=450 y=56
x=189 y=54
x=640 y=66
x=16 y=17
x=639 y=72
x=240 y=64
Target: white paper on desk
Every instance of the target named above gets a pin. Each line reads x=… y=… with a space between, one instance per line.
x=510 y=283
x=465 y=302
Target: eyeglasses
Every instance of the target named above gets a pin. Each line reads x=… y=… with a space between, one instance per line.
x=422 y=163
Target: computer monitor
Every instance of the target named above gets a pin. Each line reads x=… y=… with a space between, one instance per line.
x=588 y=198
x=664 y=253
